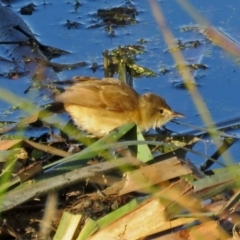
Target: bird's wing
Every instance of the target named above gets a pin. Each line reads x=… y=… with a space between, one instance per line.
x=110 y=94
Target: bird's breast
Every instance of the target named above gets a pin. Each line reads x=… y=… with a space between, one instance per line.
x=100 y=122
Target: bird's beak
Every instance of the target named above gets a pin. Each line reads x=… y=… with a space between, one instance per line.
x=178 y=115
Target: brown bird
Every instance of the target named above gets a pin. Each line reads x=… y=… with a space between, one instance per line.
x=99 y=106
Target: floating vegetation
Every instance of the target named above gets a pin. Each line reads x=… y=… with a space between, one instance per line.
x=180 y=45
x=194 y=66
x=112 y=18
x=121 y=61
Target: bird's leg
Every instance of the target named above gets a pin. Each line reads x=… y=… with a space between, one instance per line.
x=163 y=130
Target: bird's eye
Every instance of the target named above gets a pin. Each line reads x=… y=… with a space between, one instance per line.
x=161 y=111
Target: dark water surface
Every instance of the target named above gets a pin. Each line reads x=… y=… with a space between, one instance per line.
x=219 y=85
